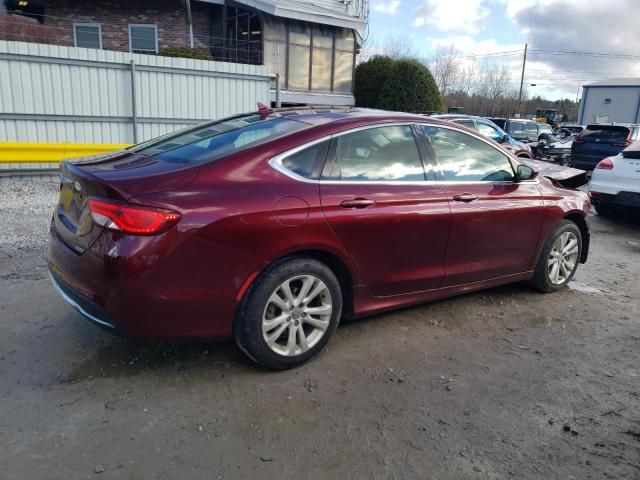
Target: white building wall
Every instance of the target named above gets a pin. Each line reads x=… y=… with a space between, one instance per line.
x=618 y=104
x=51 y=93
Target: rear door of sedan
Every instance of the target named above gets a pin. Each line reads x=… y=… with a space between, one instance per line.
x=392 y=222
x=496 y=219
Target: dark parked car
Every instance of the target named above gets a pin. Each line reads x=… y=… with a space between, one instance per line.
x=270 y=227
x=599 y=141
x=489 y=129
x=522 y=129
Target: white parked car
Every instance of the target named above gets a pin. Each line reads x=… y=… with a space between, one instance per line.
x=615 y=183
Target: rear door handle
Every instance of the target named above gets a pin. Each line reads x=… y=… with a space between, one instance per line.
x=357 y=203
x=465 y=197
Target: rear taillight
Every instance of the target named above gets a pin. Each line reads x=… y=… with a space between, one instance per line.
x=134 y=219
x=626 y=143
x=605 y=164
x=578 y=140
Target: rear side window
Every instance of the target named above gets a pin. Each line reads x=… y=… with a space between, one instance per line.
x=465 y=123
x=380 y=154
x=492 y=132
x=463 y=158
x=523 y=129
x=216 y=140
x=612 y=134
x=307 y=163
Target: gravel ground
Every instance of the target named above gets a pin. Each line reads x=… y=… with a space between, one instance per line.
x=505 y=383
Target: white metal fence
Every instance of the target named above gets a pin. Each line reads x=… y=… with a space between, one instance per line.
x=50 y=93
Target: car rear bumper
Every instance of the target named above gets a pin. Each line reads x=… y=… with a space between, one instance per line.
x=82 y=304
x=621 y=199
x=169 y=286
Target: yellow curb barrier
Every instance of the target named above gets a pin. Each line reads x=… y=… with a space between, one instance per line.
x=24 y=152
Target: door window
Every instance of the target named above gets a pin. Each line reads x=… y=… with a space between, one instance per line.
x=379 y=154
x=463 y=158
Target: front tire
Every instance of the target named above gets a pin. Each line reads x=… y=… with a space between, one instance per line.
x=559 y=258
x=289 y=314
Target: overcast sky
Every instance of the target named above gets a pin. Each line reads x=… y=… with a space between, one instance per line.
x=487 y=26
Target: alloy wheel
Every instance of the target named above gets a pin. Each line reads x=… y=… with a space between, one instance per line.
x=297 y=315
x=563 y=258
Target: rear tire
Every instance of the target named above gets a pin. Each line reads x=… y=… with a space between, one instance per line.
x=559 y=258
x=289 y=313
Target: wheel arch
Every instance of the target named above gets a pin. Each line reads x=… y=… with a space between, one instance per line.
x=580 y=220
x=346 y=277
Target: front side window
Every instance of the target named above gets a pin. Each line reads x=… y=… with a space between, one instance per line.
x=462 y=158
x=379 y=154
x=143 y=39
x=87 y=35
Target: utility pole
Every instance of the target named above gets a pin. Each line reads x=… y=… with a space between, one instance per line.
x=524 y=62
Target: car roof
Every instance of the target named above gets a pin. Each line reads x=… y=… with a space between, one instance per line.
x=344 y=117
x=460 y=116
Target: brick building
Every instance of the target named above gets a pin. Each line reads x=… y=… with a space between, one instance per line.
x=311 y=46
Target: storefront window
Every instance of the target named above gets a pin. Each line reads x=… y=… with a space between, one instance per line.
x=299 y=57
x=321 y=60
x=343 y=66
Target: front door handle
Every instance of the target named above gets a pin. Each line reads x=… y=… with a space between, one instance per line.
x=357 y=203
x=465 y=197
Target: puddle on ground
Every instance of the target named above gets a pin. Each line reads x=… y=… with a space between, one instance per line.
x=583 y=288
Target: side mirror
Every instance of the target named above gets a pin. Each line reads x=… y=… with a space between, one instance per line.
x=505 y=138
x=525 y=172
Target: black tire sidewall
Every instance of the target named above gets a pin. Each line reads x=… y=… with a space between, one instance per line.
x=541 y=276
x=248 y=322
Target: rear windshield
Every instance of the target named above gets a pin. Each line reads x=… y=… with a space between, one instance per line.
x=216 y=140
x=604 y=134
x=523 y=129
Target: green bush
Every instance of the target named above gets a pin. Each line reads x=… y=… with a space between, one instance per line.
x=370 y=76
x=402 y=85
x=186 y=52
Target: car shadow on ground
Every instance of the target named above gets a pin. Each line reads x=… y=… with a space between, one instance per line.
x=112 y=356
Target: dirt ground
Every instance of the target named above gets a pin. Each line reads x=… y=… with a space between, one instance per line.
x=504 y=383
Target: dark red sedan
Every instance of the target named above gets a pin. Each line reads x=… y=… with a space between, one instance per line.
x=272 y=226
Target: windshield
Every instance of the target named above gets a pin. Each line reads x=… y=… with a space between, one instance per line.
x=215 y=140
x=518 y=129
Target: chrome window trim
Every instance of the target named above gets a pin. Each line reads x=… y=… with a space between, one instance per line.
x=276 y=161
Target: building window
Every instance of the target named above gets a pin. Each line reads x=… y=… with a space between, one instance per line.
x=321 y=64
x=343 y=62
x=87 y=35
x=299 y=56
x=143 y=39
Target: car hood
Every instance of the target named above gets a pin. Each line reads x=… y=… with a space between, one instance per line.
x=565 y=176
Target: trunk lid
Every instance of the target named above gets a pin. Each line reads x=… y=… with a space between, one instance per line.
x=627 y=165
x=565 y=176
x=115 y=176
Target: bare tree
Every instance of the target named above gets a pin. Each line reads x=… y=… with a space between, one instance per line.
x=445 y=63
x=399 y=47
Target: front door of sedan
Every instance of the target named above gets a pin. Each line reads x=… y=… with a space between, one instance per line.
x=393 y=223
x=496 y=219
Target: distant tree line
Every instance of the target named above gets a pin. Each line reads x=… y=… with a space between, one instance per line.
x=480 y=88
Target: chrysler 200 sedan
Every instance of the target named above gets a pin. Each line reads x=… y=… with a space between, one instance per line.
x=272 y=226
